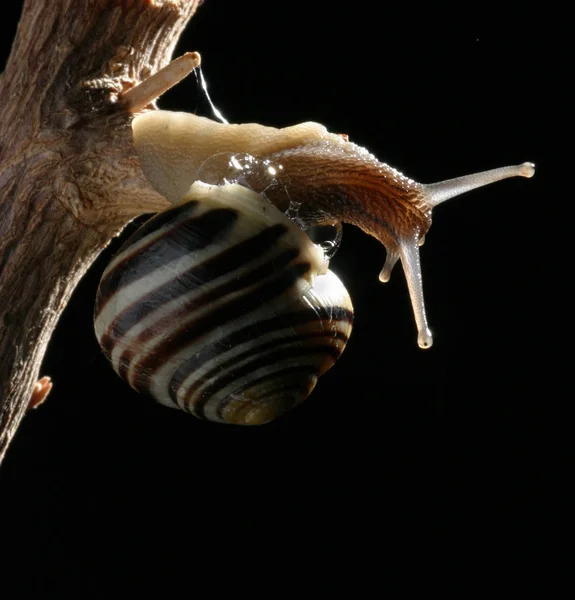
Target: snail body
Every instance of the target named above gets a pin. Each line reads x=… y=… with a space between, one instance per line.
x=328 y=177
x=221 y=305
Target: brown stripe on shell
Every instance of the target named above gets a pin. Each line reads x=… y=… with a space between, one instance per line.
x=162 y=219
x=229 y=287
x=255 y=408
x=222 y=314
x=241 y=254
x=324 y=316
x=337 y=338
x=289 y=400
x=271 y=359
x=184 y=235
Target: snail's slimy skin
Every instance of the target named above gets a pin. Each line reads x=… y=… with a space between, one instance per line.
x=330 y=178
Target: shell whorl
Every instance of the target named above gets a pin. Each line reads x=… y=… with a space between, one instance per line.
x=221 y=306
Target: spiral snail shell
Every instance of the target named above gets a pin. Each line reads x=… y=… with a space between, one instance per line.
x=221 y=305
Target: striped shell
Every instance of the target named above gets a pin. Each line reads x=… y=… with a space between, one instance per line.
x=221 y=306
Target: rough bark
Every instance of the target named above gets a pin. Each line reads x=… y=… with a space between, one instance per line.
x=69 y=176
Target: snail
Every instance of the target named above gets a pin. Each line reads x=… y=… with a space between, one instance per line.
x=222 y=305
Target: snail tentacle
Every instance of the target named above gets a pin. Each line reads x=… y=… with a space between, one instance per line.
x=390 y=261
x=436 y=193
x=409 y=253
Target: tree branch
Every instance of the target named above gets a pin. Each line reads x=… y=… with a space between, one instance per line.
x=69 y=176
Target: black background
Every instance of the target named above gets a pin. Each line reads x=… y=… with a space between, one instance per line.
x=398 y=451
